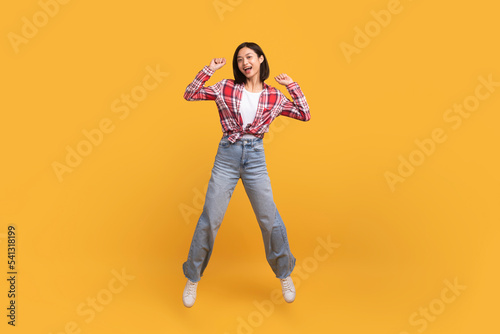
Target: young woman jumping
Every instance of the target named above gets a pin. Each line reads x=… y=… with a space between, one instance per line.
x=247 y=106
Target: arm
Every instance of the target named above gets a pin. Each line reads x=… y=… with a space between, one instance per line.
x=298 y=109
x=196 y=91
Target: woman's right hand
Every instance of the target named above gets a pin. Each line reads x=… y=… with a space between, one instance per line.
x=217 y=63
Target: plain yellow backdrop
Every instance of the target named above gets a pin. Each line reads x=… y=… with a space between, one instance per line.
x=396 y=172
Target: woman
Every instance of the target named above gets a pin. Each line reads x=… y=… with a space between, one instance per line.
x=247 y=106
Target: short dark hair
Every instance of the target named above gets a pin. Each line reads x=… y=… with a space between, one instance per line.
x=264 y=66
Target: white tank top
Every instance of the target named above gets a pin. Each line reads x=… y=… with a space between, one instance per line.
x=248 y=108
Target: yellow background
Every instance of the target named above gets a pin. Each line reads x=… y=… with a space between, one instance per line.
x=121 y=208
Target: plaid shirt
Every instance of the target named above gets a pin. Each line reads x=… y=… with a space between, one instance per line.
x=227 y=95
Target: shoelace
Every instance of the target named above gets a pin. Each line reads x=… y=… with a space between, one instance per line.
x=286 y=285
x=192 y=289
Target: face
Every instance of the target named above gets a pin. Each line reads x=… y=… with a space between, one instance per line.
x=249 y=62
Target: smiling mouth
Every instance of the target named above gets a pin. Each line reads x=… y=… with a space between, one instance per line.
x=247 y=69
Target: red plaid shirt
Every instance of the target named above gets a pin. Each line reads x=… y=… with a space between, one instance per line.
x=227 y=95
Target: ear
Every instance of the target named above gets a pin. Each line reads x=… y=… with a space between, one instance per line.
x=261 y=59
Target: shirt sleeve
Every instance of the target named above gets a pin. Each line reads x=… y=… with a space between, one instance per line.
x=298 y=109
x=195 y=91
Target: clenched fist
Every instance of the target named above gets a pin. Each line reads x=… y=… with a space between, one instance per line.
x=283 y=79
x=217 y=63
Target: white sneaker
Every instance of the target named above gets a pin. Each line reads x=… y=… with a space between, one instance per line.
x=288 y=289
x=189 y=295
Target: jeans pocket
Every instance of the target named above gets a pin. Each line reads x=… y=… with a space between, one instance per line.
x=258 y=147
x=224 y=143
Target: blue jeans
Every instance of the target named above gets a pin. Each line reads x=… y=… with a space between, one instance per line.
x=243 y=159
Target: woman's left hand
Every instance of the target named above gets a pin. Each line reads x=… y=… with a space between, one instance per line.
x=283 y=79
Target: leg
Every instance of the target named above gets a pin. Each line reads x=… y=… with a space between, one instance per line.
x=225 y=176
x=258 y=188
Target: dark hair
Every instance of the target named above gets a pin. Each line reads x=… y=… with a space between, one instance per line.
x=264 y=66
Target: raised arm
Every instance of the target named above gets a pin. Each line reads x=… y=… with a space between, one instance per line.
x=298 y=108
x=196 y=91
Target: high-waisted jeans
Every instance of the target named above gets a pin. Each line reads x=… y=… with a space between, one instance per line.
x=243 y=159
